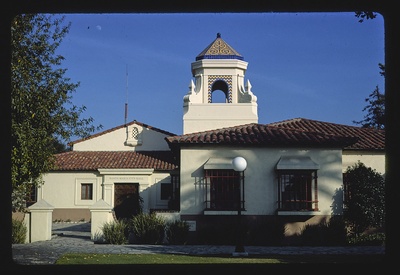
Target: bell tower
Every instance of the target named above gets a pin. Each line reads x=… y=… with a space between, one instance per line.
x=218 y=97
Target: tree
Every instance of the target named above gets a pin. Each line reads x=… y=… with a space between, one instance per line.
x=365 y=15
x=375 y=117
x=364 y=198
x=42 y=113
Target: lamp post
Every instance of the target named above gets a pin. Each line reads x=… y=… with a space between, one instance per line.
x=239 y=164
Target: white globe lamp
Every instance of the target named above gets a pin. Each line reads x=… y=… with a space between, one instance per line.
x=239 y=164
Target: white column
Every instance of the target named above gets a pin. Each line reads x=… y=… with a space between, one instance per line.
x=100 y=213
x=41 y=221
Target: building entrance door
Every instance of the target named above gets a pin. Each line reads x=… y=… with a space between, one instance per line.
x=127 y=201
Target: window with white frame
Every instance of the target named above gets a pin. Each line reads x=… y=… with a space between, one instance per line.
x=86 y=191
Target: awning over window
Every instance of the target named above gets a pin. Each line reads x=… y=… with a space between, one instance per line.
x=296 y=163
x=218 y=163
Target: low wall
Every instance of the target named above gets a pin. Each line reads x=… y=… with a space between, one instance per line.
x=261 y=230
x=73 y=215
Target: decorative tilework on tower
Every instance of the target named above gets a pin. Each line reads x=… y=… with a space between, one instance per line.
x=226 y=78
x=219 y=49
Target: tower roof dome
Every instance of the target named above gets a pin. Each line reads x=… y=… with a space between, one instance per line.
x=219 y=49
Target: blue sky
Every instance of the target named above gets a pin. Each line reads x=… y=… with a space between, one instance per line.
x=313 y=65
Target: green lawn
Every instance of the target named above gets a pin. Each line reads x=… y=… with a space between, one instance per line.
x=83 y=259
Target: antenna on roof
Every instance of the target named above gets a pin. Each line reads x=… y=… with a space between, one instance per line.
x=126 y=99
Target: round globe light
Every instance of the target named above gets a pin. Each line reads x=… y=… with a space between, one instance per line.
x=239 y=164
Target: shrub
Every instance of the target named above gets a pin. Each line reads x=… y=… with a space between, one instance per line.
x=336 y=232
x=177 y=232
x=147 y=228
x=18 y=198
x=330 y=233
x=368 y=239
x=365 y=198
x=114 y=232
x=19 y=231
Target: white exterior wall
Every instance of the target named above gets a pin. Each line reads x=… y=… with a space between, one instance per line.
x=116 y=141
x=62 y=189
x=149 y=185
x=260 y=178
x=203 y=117
x=376 y=160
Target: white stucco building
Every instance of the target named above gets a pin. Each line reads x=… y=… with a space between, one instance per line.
x=294 y=167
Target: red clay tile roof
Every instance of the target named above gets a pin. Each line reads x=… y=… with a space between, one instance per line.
x=369 y=139
x=262 y=134
x=288 y=133
x=93 y=160
x=121 y=126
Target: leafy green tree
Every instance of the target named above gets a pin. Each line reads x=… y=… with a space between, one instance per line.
x=43 y=116
x=364 y=198
x=375 y=117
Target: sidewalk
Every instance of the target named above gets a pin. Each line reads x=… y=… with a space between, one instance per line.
x=75 y=238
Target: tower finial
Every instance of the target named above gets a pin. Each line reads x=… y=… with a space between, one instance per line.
x=218 y=35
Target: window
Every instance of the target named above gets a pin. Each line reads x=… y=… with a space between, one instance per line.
x=135 y=133
x=166 y=191
x=170 y=190
x=224 y=189
x=86 y=191
x=297 y=190
x=174 y=197
x=133 y=136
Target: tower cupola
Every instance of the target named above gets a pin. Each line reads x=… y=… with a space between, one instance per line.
x=218 y=97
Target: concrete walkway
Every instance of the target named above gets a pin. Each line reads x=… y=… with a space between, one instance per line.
x=75 y=238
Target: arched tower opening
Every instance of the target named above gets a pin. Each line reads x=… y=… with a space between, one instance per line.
x=219 y=92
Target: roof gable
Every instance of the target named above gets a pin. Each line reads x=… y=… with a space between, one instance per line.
x=133 y=136
x=120 y=127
